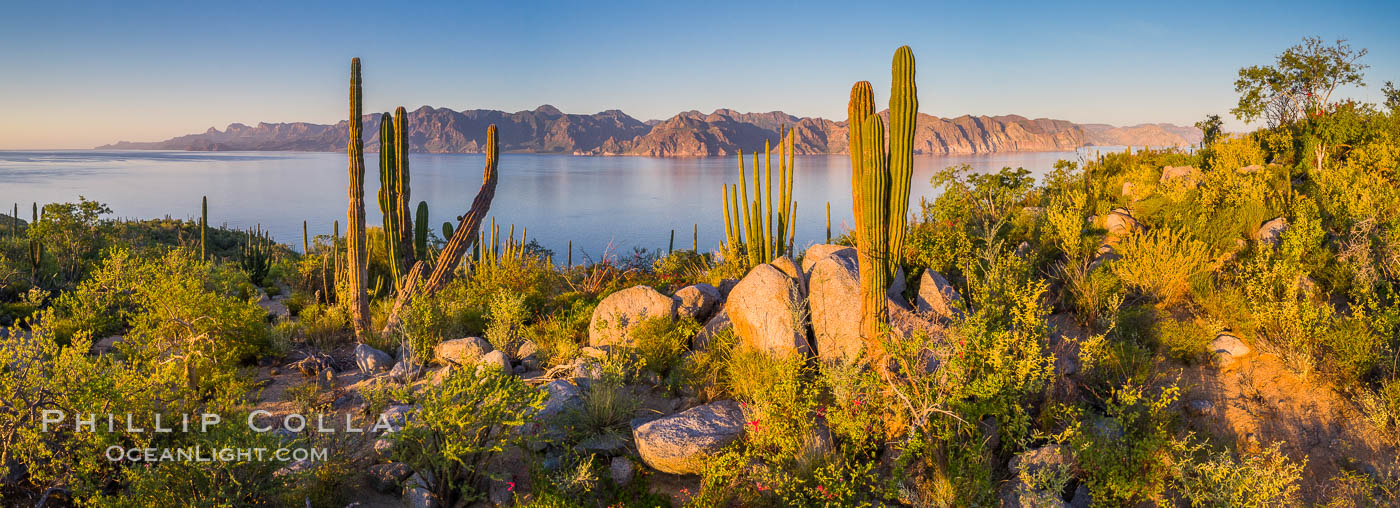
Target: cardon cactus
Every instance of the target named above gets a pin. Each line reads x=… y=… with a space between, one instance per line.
x=766 y=230
x=36 y=248
x=880 y=186
x=355 y=214
x=420 y=232
x=204 y=228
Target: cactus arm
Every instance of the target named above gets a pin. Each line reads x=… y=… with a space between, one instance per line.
x=904 y=110
x=873 y=233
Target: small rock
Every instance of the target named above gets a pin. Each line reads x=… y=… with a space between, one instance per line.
x=371 y=360
x=406 y=370
x=383 y=447
x=562 y=395
x=294 y=468
x=1200 y=407
x=605 y=444
x=387 y=478
x=1250 y=169
x=494 y=360
x=937 y=296
x=1119 y=222
x=621 y=470
x=397 y=416
x=107 y=345
x=417 y=495
x=465 y=351
x=1271 y=232
x=697 y=302
x=1228 y=348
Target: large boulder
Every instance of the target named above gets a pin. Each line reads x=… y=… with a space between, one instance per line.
x=936 y=296
x=788 y=266
x=680 y=443
x=371 y=360
x=697 y=302
x=834 y=300
x=1120 y=222
x=764 y=307
x=465 y=351
x=1271 y=232
x=617 y=314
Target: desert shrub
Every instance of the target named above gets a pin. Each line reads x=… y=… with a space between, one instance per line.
x=660 y=342
x=1065 y=220
x=680 y=268
x=1161 y=263
x=463 y=422
x=1265 y=479
x=1382 y=407
x=1354 y=351
x=560 y=335
x=208 y=484
x=1094 y=296
x=799 y=463
x=1186 y=341
x=1126 y=452
x=168 y=303
x=1352 y=489
x=506 y=315
x=705 y=370
x=1234 y=153
x=153 y=378
x=448 y=314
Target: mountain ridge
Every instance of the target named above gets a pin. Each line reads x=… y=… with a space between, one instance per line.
x=692 y=133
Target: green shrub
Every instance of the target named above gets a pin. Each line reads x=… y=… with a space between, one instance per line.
x=461 y=423
x=1094 y=296
x=1261 y=480
x=1186 y=341
x=1160 y=264
x=660 y=342
x=1125 y=453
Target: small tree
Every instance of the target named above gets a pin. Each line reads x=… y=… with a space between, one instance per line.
x=1392 y=96
x=1210 y=129
x=1299 y=84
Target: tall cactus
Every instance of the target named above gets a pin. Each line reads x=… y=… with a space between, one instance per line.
x=204 y=228
x=420 y=232
x=880 y=186
x=763 y=230
x=305 y=239
x=395 y=193
x=36 y=247
x=355 y=214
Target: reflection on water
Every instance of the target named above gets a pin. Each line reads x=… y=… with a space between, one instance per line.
x=624 y=202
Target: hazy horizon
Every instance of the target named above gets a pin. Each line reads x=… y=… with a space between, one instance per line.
x=100 y=74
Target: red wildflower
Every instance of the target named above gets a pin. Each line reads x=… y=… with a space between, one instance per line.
x=510 y=486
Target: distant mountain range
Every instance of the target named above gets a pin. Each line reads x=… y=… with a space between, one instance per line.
x=688 y=134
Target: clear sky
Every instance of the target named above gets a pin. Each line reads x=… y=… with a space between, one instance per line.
x=76 y=75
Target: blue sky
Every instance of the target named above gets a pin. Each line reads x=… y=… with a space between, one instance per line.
x=76 y=75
